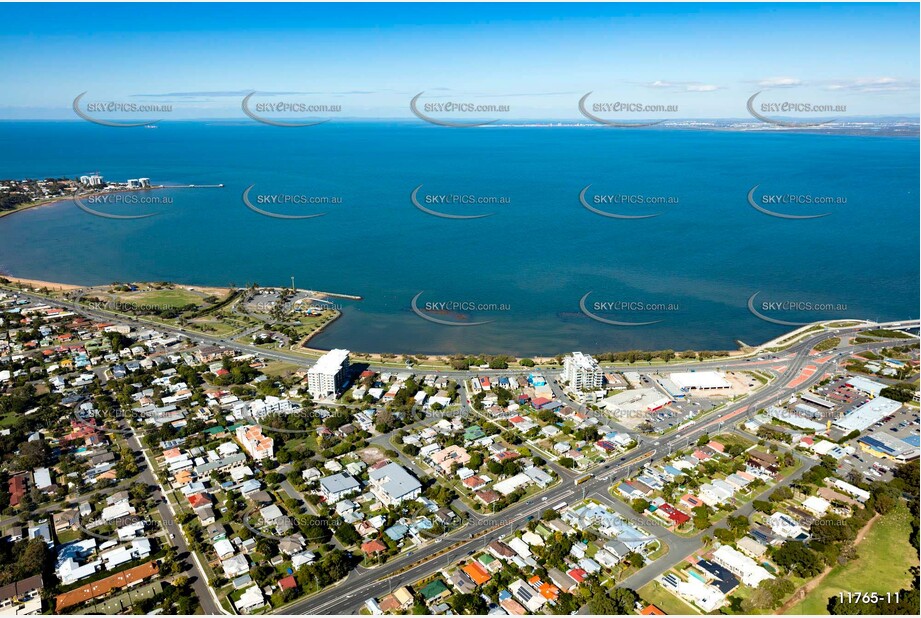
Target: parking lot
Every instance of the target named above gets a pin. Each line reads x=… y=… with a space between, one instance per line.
x=680 y=412
x=843 y=396
x=904 y=424
x=262 y=302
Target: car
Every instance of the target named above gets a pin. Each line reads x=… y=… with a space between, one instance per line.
x=544 y=499
x=172 y=536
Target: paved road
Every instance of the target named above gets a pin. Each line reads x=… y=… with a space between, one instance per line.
x=364 y=583
x=682 y=547
x=175 y=535
x=292 y=357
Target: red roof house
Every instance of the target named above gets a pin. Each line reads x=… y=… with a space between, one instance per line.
x=373 y=547
x=288 y=583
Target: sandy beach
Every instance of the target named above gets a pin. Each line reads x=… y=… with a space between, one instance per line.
x=38 y=284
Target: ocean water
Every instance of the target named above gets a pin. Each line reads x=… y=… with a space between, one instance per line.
x=693 y=267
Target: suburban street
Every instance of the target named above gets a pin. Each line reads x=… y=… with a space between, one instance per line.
x=174 y=534
x=348 y=595
x=485 y=528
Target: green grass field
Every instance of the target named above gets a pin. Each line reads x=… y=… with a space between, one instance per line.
x=884 y=558
x=654 y=593
x=162 y=298
x=827 y=344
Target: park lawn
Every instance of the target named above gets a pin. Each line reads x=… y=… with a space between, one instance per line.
x=167 y=298
x=882 y=566
x=212 y=327
x=278 y=368
x=728 y=439
x=66 y=536
x=654 y=593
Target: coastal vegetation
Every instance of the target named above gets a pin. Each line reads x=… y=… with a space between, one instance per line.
x=827 y=344
x=634 y=356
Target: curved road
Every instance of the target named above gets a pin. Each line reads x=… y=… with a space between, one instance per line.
x=349 y=594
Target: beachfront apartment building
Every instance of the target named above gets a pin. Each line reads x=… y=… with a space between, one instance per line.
x=328 y=375
x=93 y=180
x=582 y=372
x=253 y=442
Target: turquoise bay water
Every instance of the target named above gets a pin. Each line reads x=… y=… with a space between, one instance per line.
x=538 y=255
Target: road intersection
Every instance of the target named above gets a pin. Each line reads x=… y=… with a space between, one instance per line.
x=347 y=596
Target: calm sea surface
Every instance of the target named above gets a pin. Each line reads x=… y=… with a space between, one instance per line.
x=524 y=269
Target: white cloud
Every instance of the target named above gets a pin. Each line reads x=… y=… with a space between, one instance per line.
x=702 y=88
x=872 y=85
x=780 y=82
x=682 y=86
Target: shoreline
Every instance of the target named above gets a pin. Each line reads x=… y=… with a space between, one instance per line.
x=52 y=285
x=51 y=201
x=784 y=340
x=30 y=205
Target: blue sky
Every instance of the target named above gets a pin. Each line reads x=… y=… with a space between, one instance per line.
x=538 y=59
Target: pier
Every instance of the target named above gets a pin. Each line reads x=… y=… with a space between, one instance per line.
x=220 y=186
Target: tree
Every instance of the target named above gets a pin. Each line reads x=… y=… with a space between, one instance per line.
x=468 y=604
x=347 y=534
x=33 y=454
x=798 y=559
x=724 y=535
x=885 y=498
x=769 y=594
x=639 y=505
x=617 y=601
x=701 y=516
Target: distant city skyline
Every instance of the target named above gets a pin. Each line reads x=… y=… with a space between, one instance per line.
x=538 y=59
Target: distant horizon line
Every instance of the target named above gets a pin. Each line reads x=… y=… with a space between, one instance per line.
x=573 y=120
